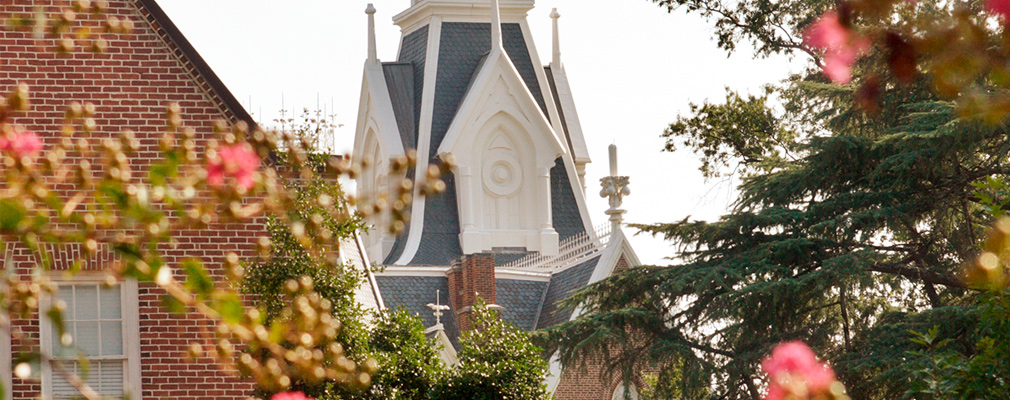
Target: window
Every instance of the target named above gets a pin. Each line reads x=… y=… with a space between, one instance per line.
x=103 y=323
x=619 y=392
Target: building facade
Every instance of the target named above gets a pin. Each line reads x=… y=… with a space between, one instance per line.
x=134 y=345
x=513 y=227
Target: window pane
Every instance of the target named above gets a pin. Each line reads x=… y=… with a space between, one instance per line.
x=112 y=338
x=86 y=302
x=66 y=294
x=87 y=337
x=112 y=306
x=58 y=349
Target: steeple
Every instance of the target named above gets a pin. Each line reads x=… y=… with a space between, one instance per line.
x=372 y=55
x=496 y=43
x=556 y=59
x=468 y=84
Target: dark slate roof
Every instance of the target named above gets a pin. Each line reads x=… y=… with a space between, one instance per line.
x=414 y=51
x=561 y=286
x=521 y=301
x=461 y=48
x=400 y=82
x=401 y=240
x=440 y=234
x=515 y=46
x=557 y=104
x=565 y=213
x=414 y=293
x=507 y=255
x=189 y=53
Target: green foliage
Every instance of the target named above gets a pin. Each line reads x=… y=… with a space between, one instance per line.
x=742 y=129
x=497 y=362
x=409 y=365
x=849 y=246
x=769 y=26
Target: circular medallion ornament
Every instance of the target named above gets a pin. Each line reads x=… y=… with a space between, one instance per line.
x=502 y=175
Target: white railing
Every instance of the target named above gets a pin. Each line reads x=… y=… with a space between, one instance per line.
x=575 y=248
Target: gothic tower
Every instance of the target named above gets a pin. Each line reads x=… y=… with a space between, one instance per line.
x=468 y=84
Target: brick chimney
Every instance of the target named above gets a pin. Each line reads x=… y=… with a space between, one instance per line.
x=470 y=277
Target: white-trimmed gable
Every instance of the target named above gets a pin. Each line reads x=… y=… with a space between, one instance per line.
x=376 y=143
x=617 y=247
x=504 y=149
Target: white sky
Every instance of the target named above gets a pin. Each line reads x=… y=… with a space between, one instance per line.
x=632 y=66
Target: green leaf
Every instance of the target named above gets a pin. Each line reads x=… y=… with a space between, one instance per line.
x=231 y=308
x=11 y=215
x=197 y=280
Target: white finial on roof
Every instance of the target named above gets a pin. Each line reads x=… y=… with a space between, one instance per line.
x=438 y=308
x=496 y=42
x=556 y=60
x=615 y=188
x=372 y=55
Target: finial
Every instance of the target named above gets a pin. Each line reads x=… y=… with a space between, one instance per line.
x=372 y=55
x=438 y=308
x=556 y=60
x=496 y=41
x=615 y=188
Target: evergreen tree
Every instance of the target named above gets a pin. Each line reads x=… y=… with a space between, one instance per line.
x=850 y=232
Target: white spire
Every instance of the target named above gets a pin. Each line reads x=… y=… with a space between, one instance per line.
x=614 y=188
x=556 y=60
x=372 y=56
x=496 y=42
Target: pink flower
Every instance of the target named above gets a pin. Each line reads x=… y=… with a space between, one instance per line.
x=290 y=396
x=841 y=47
x=21 y=144
x=999 y=7
x=793 y=370
x=237 y=161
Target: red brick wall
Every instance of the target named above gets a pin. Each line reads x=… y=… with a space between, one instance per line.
x=588 y=383
x=473 y=276
x=130 y=85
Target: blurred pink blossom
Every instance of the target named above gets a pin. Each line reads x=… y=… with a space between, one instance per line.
x=290 y=396
x=237 y=161
x=21 y=144
x=840 y=45
x=999 y=7
x=793 y=370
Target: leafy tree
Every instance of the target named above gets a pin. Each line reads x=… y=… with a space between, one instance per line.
x=497 y=362
x=853 y=242
x=411 y=367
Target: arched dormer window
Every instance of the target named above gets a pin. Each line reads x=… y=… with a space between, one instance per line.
x=619 y=392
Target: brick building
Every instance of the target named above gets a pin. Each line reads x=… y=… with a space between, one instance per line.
x=135 y=347
x=513 y=226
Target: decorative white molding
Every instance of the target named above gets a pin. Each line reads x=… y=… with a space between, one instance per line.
x=545 y=86
x=520 y=275
x=422 y=11
x=572 y=251
x=423 y=140
x=567 y=100
x=413 y=271
x=504 y=149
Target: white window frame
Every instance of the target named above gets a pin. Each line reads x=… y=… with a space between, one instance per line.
x=131 y=332
x=6 y=370
x=6 y=350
